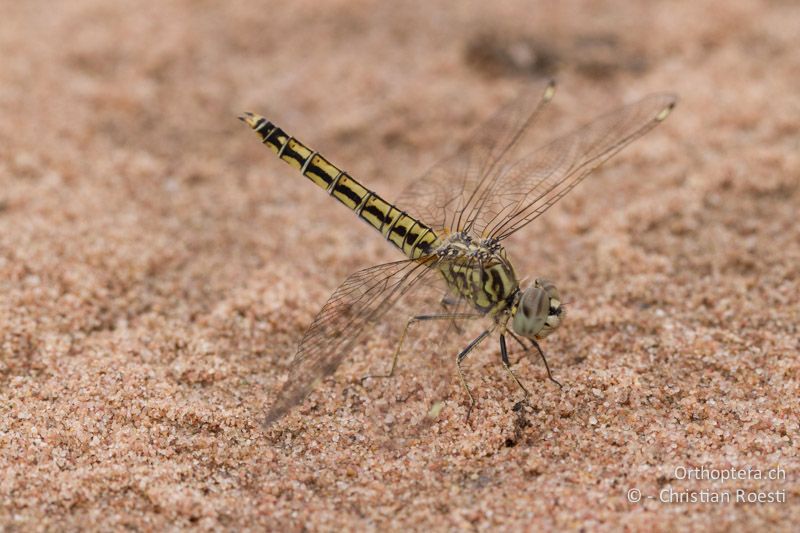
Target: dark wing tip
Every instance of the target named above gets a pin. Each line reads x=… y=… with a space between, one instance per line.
x=292 y=394
x=280 y=408
x=664 y=113
x=667 y=102
x=272 y=416
x=549 y=90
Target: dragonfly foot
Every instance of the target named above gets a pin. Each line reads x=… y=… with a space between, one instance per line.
x=469 y=409
x=375 y=376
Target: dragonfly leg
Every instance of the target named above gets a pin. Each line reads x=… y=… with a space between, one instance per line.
x=448 y=302
x=541 y=353
x=524 y=348
x=459 y=359
x=412 y=320
x=547 y=367
x=504 y=357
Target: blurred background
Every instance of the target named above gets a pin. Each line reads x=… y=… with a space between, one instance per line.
x=158 y=266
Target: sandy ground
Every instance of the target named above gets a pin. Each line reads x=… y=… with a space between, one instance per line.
x=158 y=267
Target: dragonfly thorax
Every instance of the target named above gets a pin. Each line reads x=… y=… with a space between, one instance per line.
x=478 y=271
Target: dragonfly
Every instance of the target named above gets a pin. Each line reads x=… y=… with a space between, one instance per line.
x=451 y=224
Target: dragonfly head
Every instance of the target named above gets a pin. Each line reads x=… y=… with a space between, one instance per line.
x=539 y=311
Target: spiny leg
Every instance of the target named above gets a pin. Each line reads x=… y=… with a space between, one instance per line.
x=418 y=318
x=504 y=357
x=546 y=366
x=448 y=300
x=460 y=358
x=524 y=348
x=448 y=303
x=541 y=353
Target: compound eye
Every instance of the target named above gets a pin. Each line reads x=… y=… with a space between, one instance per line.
x=549 y=288
x=531 y=316
x=541 y=303
x=535 y=303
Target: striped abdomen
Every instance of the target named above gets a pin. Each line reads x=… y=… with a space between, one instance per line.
x=407 y=233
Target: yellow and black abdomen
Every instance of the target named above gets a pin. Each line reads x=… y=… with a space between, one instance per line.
x=412 y=236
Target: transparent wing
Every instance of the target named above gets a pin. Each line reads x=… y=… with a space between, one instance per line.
x=454 y=190
x=532 y=185
x=362 y=300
